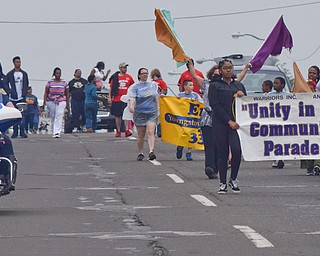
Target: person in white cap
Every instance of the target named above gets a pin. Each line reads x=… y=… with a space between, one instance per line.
x=119 y=84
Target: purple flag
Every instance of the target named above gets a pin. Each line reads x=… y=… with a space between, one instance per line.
x=279 y=37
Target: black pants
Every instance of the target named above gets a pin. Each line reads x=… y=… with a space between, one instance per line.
x=20 y=126
x=210 y=148
x=225 y=137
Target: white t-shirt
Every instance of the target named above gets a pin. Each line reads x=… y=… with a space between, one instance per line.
x=18 y=78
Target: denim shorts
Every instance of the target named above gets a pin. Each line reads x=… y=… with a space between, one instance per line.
x=141 y=119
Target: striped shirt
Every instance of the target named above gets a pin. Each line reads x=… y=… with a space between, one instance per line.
x=57 y=90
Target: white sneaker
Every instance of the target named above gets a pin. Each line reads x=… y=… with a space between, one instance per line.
x=223 y=189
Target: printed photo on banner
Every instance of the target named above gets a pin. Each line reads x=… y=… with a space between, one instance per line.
x=284 y=127
x=179 y=119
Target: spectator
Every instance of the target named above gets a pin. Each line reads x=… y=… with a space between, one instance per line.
x=31 y=112
x=91 y=104
x=143 y=103
x=162 y=89
x=119 y=84
x=97 y=71
x=56 y=97
x=18 y=87
x=222 y=99
x=187 y=76
x=76 y=89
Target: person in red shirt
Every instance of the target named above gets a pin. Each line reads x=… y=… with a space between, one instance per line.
x=162 y=89
x=187 y=76
x=119 y=84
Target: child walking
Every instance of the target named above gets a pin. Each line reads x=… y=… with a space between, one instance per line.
x=91 y=104
x=190 y=94
x=31 y=112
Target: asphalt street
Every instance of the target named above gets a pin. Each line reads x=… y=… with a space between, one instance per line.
x=86 y=194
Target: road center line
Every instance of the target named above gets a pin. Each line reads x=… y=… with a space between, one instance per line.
x=175 y=178
x=202 y=199
x=154 y=162
x=258 y=240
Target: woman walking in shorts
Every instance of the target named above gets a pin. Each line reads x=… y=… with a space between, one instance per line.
x=143 y=103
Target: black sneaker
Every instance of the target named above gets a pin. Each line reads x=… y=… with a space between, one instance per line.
x=280 y=164
x=24 y=136
x=210 y=173
x=316 y=170
x=14 y=136
x=234 y=186
x=310 y=171
x=223 y=189
x=140 y=157
x=152 y=156
x=179 y=152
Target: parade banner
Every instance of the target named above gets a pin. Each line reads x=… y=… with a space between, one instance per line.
x=179 y=120
x=279 y=126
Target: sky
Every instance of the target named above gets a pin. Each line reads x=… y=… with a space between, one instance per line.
x=124 y=32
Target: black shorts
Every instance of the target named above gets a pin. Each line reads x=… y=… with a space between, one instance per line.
x=117 y=108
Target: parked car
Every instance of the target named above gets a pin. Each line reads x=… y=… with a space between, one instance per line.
x=104 y=118
x=253 y=82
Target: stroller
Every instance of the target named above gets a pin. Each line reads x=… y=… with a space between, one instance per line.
x=8 y=164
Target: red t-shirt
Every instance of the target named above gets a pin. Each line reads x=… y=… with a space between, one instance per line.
x=187 y=76
x=125 y=81
x=162 y=86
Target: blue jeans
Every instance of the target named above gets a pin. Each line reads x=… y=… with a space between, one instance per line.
x=91 y=110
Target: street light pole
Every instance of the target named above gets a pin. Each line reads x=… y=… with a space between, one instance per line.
x=237 y=35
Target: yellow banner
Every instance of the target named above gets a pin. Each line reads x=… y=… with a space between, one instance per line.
x=179 y=119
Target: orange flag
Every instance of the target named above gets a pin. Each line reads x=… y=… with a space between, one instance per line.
x=299 y=85
x=165 y=34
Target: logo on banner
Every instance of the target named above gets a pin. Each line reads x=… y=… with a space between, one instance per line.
x=180 y=122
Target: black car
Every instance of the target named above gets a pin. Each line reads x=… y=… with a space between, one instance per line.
x=104 y=118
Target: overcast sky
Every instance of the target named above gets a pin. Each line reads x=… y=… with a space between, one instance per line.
x=69 y=46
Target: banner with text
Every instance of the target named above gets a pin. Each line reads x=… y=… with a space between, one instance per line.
x=179 y=120
x=279 y=126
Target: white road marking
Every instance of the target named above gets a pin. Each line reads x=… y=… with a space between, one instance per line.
x=151 y=207
x=258 y=240
x=202 y=199
x=154 y=162
x=293 y=186
x=175 y=178
x=149 y=235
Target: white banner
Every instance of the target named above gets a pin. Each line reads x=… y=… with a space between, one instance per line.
x=282 y=127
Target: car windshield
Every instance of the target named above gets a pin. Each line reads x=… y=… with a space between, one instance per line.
x=253 y=82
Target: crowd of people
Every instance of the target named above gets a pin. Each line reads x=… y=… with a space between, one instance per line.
x=138 y=103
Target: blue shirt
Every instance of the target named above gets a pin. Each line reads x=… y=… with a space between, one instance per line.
x=90 y=92
x=191 y=95
x=145 y=95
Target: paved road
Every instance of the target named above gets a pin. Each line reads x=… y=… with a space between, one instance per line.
x=86 y=194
